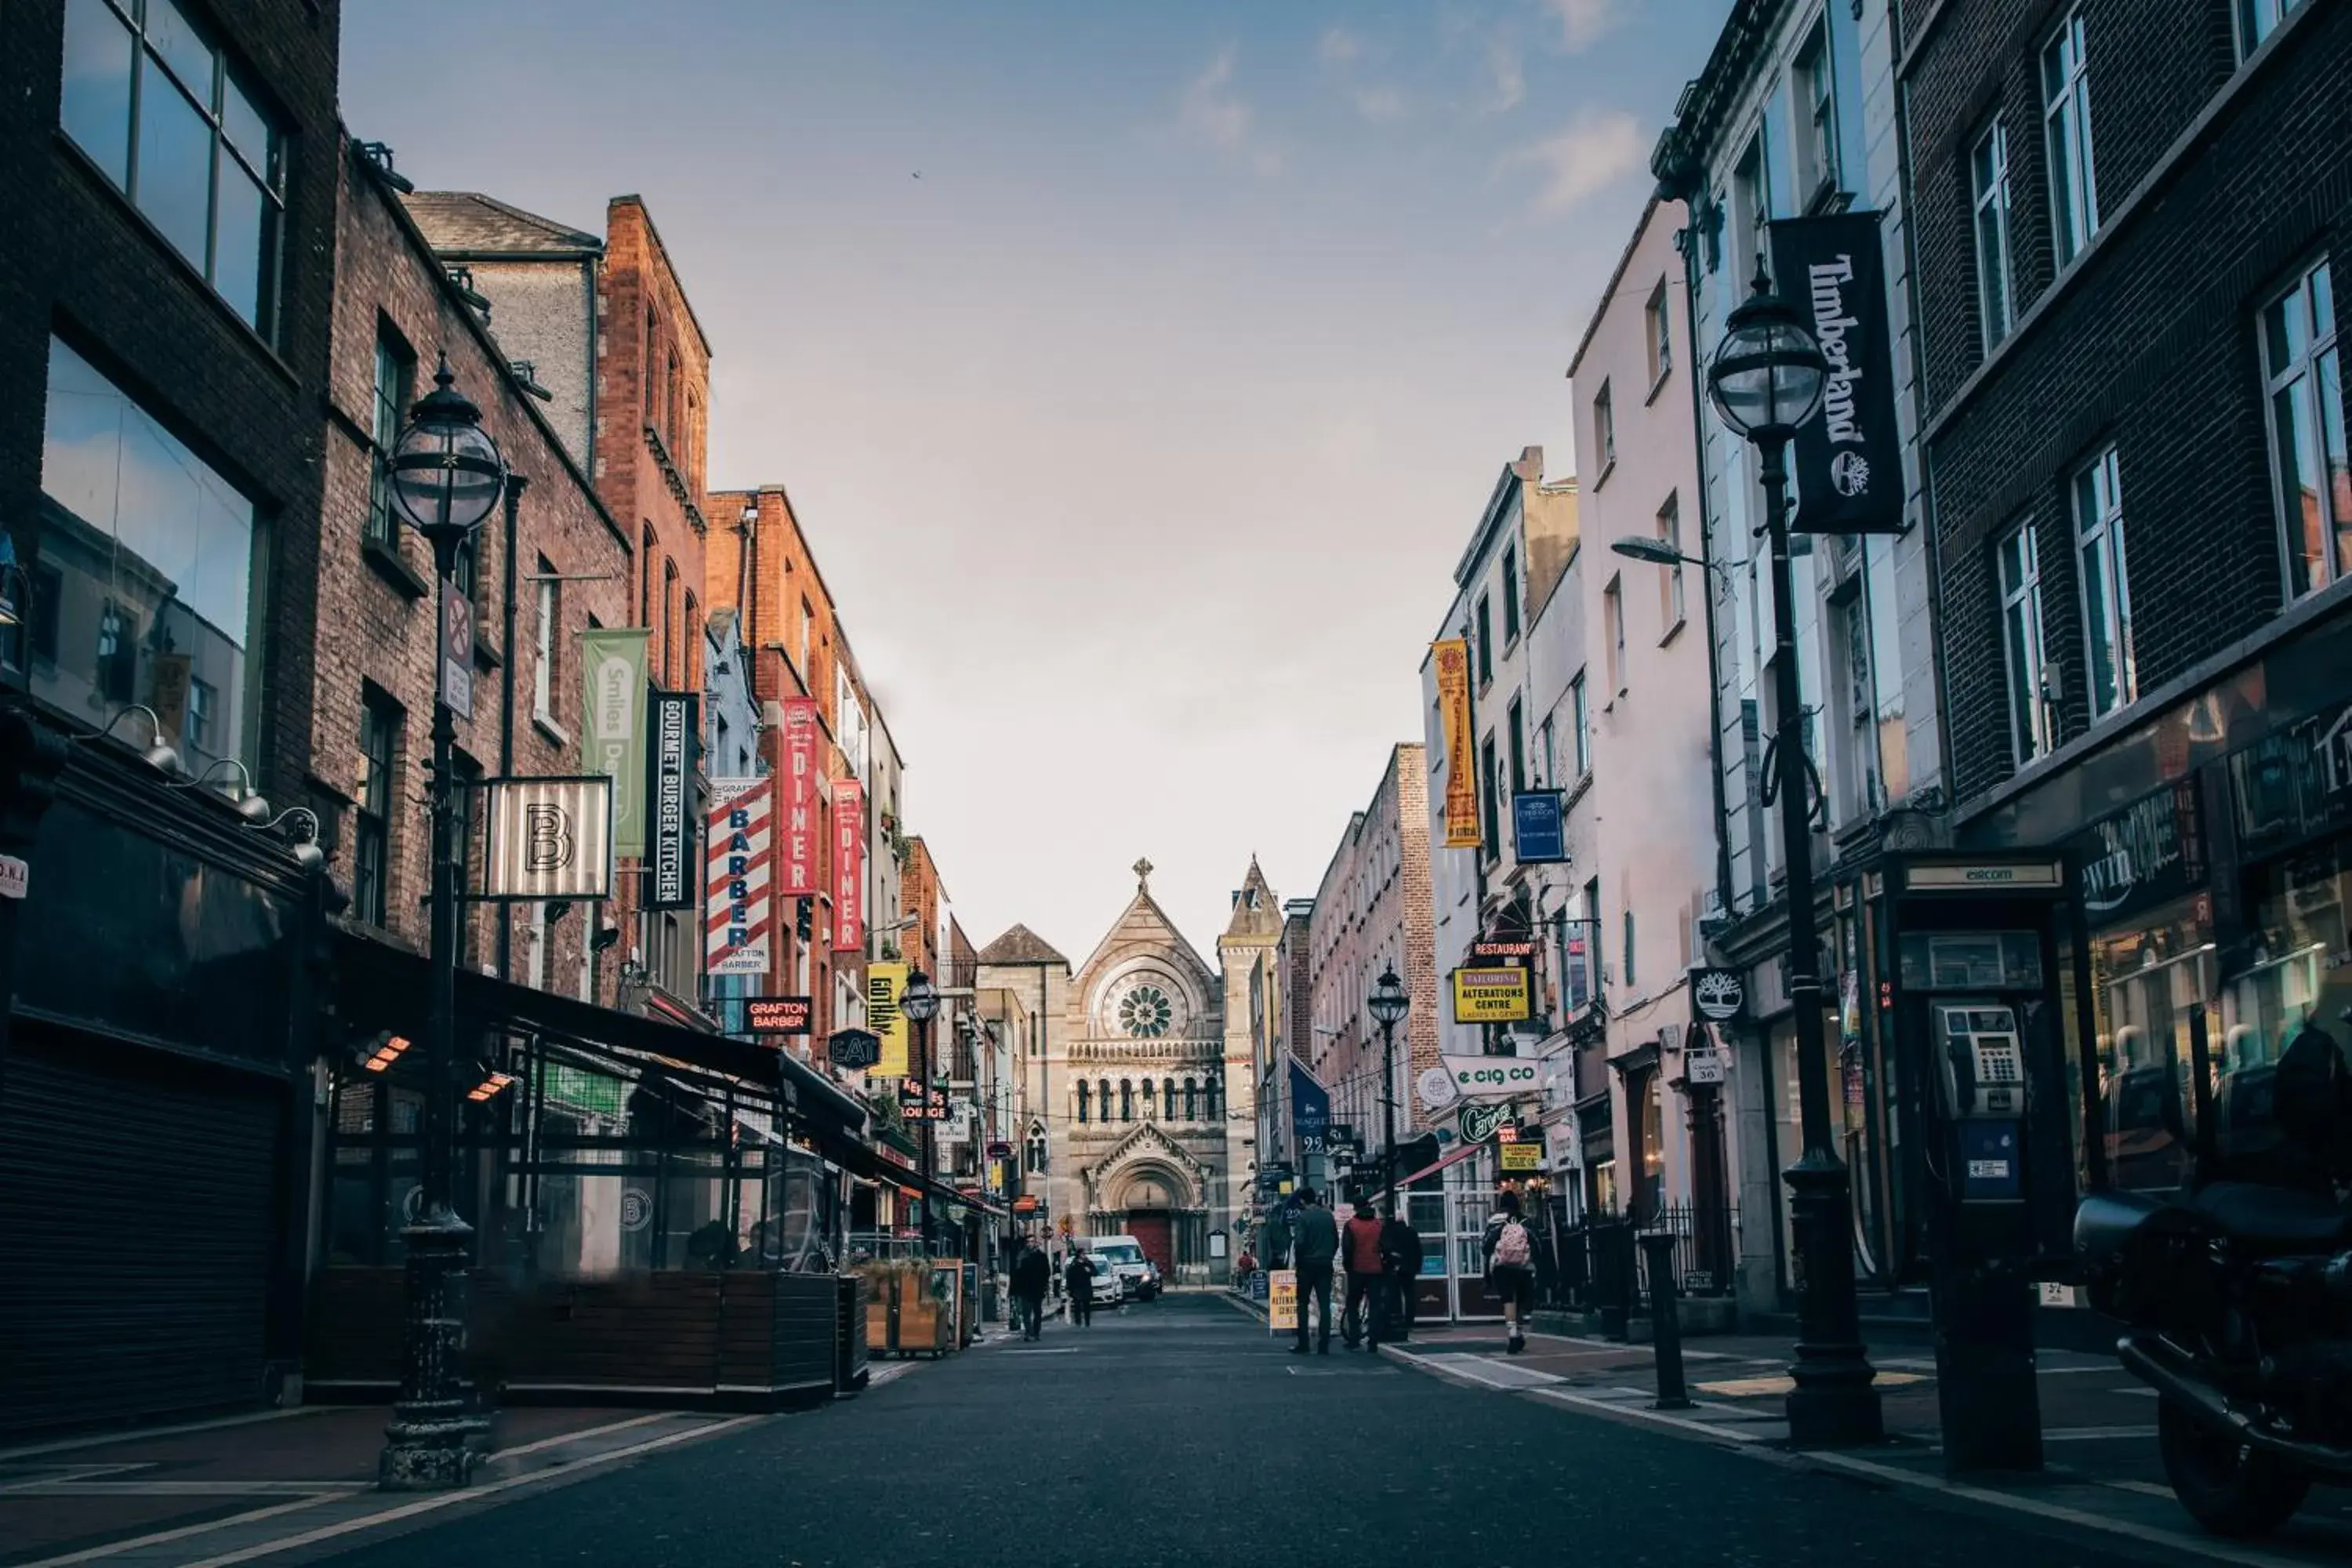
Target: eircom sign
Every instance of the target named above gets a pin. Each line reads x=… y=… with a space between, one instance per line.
x=1493 y=1078
x=1494 y=995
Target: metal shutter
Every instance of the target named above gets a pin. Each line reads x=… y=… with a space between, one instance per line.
x=135 y=1234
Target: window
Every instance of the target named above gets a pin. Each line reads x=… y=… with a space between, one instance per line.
x=395 y=386
x=1544 y=748
x=1510 y=596
x=1612 y=623
x=2066 y=124
x=1518 y=727
x=2258 y=19
x=1486 y=636
x=1149 y=1099
x=1817 y=167
x=668 y=609
x=547 y=644
x=380 y=720
x=808 y=618
x=158 y=564
x=1989 y=174
x=1628 y=947
x=1126 y=1099
x=1862 y=708
x=1192 y=1099
x=2020 y=614
x=1102 y=1098
x=646 y=579
x=1670 y=534
x=1751 y=197
x=204 y=714
x=653 y=343
x=158 y=110
x=687 y=659
x=1581 y=716
x=1604 y=427
x=1661 y=333
x=2306 y=380
x=1209 y=1090
x=1491 y=845
x=1037 y=1140
x=2106 y=584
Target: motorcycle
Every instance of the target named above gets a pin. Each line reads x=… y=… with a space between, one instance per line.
x=2238 y=1293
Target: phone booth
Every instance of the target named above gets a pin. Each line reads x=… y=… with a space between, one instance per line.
x=1975 y=999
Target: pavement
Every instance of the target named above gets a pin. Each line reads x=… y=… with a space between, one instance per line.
x=1178 y=1432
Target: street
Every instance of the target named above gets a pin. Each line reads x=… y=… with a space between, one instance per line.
x=1181 y=1433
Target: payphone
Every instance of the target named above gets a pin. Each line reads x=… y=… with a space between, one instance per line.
x=1973 y=1000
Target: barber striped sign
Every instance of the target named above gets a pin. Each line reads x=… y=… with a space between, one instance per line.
x=740 y=913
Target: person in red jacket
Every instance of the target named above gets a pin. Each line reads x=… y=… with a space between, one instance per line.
x=1360 y=1250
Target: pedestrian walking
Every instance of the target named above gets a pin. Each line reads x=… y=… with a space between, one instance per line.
x=1033 y=1274
x=1362 y=1319
x=1400 y=1257
x=1313 y=1250
x=1078 y=1280
x=1511 y=1266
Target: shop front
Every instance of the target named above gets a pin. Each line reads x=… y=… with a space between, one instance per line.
x=659 y=1213
x=151 y=1110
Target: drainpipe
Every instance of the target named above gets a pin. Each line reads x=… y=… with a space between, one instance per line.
x=516 y=484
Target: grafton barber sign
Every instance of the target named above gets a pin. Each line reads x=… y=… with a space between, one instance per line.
x=1848 y=461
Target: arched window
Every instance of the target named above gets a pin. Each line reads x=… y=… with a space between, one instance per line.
x=1147 y=1099
x=1126 y=1099
x=1102 y=1100
x=1209 y=1099
x=1192 y=1099
x=1037 y=1142
x=1168 y=1098
x=1082 y=1102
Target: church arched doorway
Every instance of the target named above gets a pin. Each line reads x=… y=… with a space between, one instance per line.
x=1148 y=1207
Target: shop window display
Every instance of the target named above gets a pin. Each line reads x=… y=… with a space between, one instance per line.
x=2146 y=983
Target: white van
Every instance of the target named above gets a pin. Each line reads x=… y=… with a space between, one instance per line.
x=1138 y=1277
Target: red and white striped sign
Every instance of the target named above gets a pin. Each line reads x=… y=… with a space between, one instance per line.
x=800 y=832
x=740 y=908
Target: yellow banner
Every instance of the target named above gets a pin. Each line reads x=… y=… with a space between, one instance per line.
x=1282 y=1301
x=1492 y=995
x=885 y=983
x=1520 y=1156
x=1451 y=659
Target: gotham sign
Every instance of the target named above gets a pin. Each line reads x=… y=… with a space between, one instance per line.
x=1848 y=458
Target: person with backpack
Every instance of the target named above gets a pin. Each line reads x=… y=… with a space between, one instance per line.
x=1511 y=1266
x=1401 y=1253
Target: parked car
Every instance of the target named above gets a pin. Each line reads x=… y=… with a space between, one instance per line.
x=1138 y=1277
x=1110 y=1289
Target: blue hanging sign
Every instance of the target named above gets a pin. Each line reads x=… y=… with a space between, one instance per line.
x=1310 y=1111
x=1539 y=826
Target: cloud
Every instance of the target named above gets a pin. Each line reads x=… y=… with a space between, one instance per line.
x=1582 y=22
x=1592 y=154
x=1510 y=77
x=1216 y=117
x=1379 y=102
x=1338 y=46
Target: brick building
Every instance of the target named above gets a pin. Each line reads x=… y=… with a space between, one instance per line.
x=1371 y=913
x=2126 y=215
x=163 y=337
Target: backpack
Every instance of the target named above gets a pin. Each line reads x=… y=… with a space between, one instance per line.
x=1512 y=1249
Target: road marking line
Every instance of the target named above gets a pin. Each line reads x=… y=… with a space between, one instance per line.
x=1061 y=1350
x=562 y=1438
x=2095 y=1434
x=66 y=1444
x=427 y=1505
x=382 y=1516
x=2201 y=1545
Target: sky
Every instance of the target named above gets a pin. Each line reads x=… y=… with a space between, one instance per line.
x=1138 y=368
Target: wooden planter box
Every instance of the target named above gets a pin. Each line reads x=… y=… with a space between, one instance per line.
x=737 y=1339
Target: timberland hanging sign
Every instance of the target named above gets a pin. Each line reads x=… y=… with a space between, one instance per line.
x=1450 y=660
x=1847 y=460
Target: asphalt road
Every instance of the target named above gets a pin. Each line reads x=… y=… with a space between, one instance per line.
x=1180 y=1433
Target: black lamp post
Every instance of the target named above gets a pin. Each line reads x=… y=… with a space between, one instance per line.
x=446 y=474
x=1764 y=381
x=921 y=1003
x=1388 y=1006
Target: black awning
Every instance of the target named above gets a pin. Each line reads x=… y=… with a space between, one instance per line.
x=864 y=1159
x=390 y=983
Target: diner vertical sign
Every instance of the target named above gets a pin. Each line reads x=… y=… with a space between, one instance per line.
x=848 y=866
x=797 y=828
x=669 y=885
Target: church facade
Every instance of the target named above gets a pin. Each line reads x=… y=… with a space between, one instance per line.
x=1146 y=1119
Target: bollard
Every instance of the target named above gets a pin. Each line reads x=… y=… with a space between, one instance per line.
x=1665 y=1326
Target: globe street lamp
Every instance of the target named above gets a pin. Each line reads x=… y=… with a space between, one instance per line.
x=1388 y=1006
x=920 y=1003
x=446 y=474
x=1766 y=381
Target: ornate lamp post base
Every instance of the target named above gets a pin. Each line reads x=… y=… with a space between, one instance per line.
x=428 y=1442
x=1834 y=1404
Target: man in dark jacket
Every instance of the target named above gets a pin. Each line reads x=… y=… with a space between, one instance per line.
x=1031 y=1273
x=1401 y=1253
x=1314 y=1245
x=1078 y=1280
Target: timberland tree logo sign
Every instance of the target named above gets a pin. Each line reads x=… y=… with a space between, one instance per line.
x=1717 y=994
x=1847 y=460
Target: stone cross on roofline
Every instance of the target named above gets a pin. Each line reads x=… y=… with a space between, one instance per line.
x=1143 y=869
